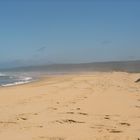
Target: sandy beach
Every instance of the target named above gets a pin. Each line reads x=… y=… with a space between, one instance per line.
x=86 y=106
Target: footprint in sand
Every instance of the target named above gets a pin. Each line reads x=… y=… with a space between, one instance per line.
x=70 y=113
x=137 y=106
x=77 y=108
x=107 y=117
x=124 y=124
x=24 y=116
x=51 y=138
x=53 y=108
x=8 y=122
x=81 y=113
x=110 y=129
x=70 y=121
x=115 y=131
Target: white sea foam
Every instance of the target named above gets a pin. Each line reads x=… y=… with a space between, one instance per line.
x=22 y=80
x=2 y=74
x=15 y=83
x=27 y=78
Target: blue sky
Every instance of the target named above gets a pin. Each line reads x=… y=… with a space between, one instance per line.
x=69 y=31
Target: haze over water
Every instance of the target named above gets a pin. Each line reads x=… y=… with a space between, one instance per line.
x=22 y=75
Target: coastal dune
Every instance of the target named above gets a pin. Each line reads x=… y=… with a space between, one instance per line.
x=82 y=106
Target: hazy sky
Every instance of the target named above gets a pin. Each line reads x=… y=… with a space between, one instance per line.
x=64 y=31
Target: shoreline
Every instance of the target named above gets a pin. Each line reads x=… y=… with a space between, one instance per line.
x=45 y=76
x=84 y=106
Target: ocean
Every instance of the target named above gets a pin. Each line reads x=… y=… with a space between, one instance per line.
x=15 y=78
x=23 y=75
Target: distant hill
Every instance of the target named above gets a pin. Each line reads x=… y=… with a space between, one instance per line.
x=125 y=66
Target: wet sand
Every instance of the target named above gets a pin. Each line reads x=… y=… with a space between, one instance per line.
x=87 y=106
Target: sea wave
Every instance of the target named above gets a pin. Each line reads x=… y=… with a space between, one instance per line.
x=19 y=81
x=15 y=83
x=2 y=74
x=26 y=78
